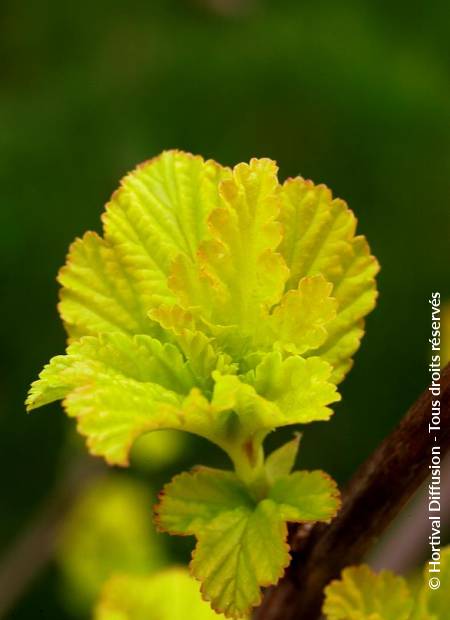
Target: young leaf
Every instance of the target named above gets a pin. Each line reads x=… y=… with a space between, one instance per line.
x=362 y=594
x=355 y=293
x=97 y=294
x=234 y=277
x=192 y=500
x=168 y=595
x=237 y=275
x=278 y=393
x=117 y=387
x=233 y=560
x=281 y=461
x=306 y=496
x=299 y=387
x=160 y=210
x=319 y=238
x=141 y=358
x=112 y=412
x=299 y=322
x=238 y=272
x=241 y=536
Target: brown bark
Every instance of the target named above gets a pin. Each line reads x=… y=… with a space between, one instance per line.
x=374 y=496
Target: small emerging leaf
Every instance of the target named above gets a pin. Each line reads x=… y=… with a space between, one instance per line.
x=282 y=460
x=299 y=322
x=299 y=387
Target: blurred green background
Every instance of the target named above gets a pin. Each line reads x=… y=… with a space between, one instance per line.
x=352 y=94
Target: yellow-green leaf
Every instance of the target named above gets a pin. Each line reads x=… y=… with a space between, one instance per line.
x=241 y=533
x=233 y=560
x=362 y=594
x=300 y=388
x=319 y=238
x=97 y=294
x=306 y=496
x=355 y=294
x=281 y=461
x=171 y=594
x=117 y=387
x=160 y=210
x=251 y=296
x=299 y=323
x=237 y=273
x=192 y=500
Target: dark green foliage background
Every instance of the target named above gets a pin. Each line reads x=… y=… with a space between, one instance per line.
x=353 y=94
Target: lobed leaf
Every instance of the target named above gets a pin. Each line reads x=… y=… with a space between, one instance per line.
x=97 y=294
x=221 y=303
x=160 y=210
x=356 y=295
x=278 y=393
x=319 y=238
x=117 y=387
x=192 y=500
x=237 y=271
x=300 y=388
x=306 y=496
x=299 y=323
x=232 y=559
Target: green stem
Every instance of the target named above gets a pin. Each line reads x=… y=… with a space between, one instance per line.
x=248 y=460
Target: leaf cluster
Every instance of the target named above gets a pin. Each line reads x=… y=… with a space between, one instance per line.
x=225 y=304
